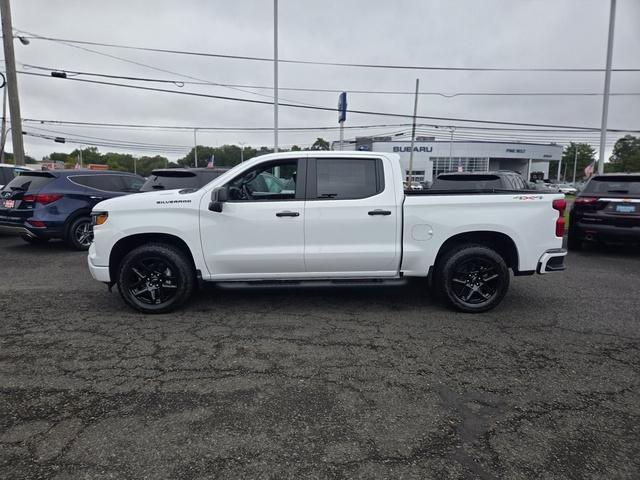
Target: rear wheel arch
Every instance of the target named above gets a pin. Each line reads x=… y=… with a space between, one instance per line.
x=502 y=243
x=126 y=244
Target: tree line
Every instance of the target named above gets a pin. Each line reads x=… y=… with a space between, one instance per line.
x=625 y=158
x=224 y=156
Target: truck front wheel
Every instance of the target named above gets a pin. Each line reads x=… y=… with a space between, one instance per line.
x=155 y=278
x=473 y=278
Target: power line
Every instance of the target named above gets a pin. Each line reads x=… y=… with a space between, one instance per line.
x=319 y=108
x=312 y=62
x=123 y=142
x=152 y=67
x=320 y=90
x=77 y=141
x=134 y=126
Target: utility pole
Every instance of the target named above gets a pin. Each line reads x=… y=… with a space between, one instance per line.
x=275 y=75
x=413 y=135
x=195 y=148
x=575 y=162
x=607 y=82
x=12 y=83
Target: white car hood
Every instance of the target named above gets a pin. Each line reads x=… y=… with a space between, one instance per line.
x=142 y=201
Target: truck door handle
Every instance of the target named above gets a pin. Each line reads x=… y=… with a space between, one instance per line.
x=94 y=197
x=380 y=212
x=288 y=214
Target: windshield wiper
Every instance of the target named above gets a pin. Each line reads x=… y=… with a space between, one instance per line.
x=617 y=191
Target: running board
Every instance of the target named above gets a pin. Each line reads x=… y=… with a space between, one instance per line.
x=348 y=282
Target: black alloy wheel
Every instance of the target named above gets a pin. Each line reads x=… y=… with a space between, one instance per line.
x=473 y=278
x=155 y=278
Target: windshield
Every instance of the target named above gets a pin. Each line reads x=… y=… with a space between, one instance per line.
x=625 y=184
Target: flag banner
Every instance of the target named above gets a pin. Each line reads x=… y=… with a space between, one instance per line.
x=588 y=171
x=211 y=162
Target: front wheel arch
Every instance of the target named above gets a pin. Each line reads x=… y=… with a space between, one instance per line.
x=126 y=244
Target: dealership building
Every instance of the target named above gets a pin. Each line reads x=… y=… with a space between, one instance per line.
x=431 y=157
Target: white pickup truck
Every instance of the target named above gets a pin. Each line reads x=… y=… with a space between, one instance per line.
x=310 y=216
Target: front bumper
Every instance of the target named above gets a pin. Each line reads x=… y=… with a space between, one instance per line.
x=97 y=272
x=552 y=261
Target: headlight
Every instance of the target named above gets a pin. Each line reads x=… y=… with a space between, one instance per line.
x=98 y=218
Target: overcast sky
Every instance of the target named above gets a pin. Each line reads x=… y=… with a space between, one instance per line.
x=465 y=33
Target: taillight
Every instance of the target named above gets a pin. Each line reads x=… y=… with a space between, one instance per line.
x=585 y=200
x=42 y=198
x=560 y=205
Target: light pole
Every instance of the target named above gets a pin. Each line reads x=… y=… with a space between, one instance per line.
x=451 y=130
x=195 y=148
x=575 y=162
x=4 y=140
x=275 y=75
x=607 y=82
x=242 y=144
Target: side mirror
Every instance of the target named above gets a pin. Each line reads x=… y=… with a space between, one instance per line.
x=218 y=197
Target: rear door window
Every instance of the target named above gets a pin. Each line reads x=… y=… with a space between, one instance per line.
x=105 y=183
x=346 y=178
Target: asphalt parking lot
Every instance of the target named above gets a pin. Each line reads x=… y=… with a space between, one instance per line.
x=378 y=382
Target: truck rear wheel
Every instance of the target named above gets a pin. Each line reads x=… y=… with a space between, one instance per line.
x=155 y=278
x=473 y=278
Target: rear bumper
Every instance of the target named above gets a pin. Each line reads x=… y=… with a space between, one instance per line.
x=23 y=228
x=15 y=230
x=595 y=230
x=552 y=261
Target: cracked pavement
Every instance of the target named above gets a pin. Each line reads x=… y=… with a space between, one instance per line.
x=345 y=382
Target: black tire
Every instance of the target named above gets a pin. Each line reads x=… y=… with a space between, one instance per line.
x=155 y=278
x=34 y=240
x=80 y=234
x=472 y=278
x=574 y=240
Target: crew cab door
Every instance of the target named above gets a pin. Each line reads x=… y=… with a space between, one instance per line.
x=259 y=234
x=352 y=218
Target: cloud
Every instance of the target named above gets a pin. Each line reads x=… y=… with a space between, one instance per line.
x=566 y=33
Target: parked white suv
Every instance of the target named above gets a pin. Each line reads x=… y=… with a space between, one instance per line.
x=330 y=216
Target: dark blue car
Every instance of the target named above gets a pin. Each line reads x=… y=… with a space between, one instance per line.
x=39 y=206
